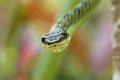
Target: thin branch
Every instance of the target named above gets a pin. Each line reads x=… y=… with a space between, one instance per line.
x=116 y=39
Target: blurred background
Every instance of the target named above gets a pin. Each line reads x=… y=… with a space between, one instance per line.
x=22 y=22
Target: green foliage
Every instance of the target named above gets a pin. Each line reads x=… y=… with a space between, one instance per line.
x=9 y=57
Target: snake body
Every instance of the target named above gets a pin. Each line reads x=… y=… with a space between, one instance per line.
x=57 y=39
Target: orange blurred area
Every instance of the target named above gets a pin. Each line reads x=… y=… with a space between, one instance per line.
x=37 y=10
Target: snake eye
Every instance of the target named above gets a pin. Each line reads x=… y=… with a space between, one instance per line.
x=65 y=34
x=43 y=39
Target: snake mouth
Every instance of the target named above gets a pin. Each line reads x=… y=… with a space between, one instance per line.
x=57 y=46
x=47 y=42
x=53 y=40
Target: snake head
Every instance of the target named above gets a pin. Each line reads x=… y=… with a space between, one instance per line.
x=56 y=40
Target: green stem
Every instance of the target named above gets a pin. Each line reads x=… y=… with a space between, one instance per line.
x=47 y=66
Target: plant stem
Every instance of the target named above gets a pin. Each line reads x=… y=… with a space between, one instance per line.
x=116 y=39
x=47 y=66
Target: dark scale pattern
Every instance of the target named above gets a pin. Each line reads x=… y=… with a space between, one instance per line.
x=54 y=36
x=58 y=33
x=76 y=14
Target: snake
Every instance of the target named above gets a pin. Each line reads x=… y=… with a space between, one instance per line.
x=58 y=38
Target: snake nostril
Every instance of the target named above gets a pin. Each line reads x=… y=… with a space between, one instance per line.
x=43 y=39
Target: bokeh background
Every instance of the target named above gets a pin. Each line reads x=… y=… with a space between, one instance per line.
x=22 y=22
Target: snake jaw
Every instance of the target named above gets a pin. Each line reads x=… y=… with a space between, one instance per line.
x=56 y=41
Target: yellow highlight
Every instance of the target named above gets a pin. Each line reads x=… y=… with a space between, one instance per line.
x=58 y=47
